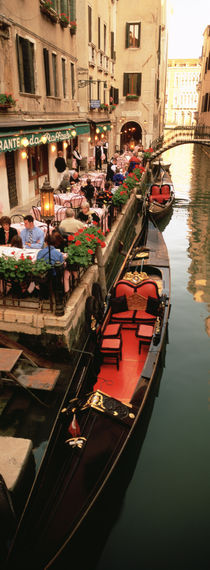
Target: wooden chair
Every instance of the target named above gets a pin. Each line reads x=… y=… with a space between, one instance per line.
x=36 y=213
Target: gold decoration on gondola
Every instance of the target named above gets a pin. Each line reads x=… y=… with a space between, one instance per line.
x=135 y=277
x=93 y=323
x=76 y=441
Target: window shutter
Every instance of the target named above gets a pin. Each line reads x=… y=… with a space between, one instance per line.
x=111 y=92
x=139 y=35
x=20 y=64
x=138 y=84
x=127 y=27
x=116 y=96
x=47 y=70
x=112 y=45
x=125 y=84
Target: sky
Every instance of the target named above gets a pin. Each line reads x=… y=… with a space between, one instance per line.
x=186 y=22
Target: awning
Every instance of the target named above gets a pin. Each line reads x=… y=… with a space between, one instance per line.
x=104 y=126
x=33 y=136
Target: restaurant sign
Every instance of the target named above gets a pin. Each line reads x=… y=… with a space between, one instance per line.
x=15 y=142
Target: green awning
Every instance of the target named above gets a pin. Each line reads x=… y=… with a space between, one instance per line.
x=103 y=126
x=27 y=136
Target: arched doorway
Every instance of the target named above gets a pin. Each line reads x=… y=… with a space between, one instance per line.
x=131 y=135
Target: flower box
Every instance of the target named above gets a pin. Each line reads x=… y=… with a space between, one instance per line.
x=6 y=101
x=132 y=97
x=45 y=8
x=64 y=20
x=73 y=28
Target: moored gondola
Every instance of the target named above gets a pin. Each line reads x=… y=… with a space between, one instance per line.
x=108 y=393
x=159 y=198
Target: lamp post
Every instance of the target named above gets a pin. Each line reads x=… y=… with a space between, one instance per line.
x=47 y=206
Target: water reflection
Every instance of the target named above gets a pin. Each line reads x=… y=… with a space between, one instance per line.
x=193 y=194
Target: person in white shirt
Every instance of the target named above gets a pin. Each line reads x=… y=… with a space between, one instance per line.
x=78 y=157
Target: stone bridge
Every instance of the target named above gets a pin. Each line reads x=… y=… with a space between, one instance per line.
x=181 y=135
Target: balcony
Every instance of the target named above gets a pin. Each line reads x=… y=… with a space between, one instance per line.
x=91 y=55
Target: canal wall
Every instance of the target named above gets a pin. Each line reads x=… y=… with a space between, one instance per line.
x=55 y=335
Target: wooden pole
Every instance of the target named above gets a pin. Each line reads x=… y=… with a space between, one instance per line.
x=101 y=271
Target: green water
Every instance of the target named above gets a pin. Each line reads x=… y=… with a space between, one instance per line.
x=162 y=519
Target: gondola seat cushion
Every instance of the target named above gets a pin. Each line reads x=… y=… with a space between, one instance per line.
x=112 y=348
x=118 y=304
x=112 y=330
x=126 y=316
x=144 y=334
x=123 y=287
x=165 y=191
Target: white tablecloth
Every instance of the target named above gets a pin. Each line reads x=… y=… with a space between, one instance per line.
x=17 y=252
x=20 y=226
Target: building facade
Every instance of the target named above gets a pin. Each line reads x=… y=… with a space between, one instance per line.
x=76 y=73
x=182 y=95
x=203 y=118
x=141 y=64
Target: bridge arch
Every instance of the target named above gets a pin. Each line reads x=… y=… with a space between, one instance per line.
x=182 y=135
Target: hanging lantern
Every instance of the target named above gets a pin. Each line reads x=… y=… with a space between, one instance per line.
x=44 y=139
x=105 y=128
x=24 y=154
x=74 y=133
x=24 y=142
x=47 y=200
x=53 y=147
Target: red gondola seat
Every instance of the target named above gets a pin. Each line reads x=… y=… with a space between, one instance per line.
x=144 y=334
x=112 y=348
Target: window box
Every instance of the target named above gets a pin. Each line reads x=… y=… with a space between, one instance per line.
x=73 y=28
x=64 y=20
x=132 y=97
x=46 y=9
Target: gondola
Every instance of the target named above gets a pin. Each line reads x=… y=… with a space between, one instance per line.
x=108 y=392
x=159 y=198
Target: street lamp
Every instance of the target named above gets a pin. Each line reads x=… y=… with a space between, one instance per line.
x=47 y=206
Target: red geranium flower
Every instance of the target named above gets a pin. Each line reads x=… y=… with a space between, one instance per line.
x=90 y=251
x=95 y=223
x=78 y=242
x=80 y=231
x=70 y=238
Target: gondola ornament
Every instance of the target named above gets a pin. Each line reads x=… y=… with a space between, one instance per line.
x=76 y=441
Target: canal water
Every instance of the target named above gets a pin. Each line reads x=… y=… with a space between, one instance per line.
x=156 y=514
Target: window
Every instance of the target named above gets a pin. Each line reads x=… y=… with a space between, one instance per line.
x=37 y=161
x=63 y=68
x=25 y=58
x=54 y=67
x=104 y=38
x=132 y=38
x=72 y=81
x=132 y=84
x=99 y=33
x=98 y=90
x=89 y=24
x=46 y=70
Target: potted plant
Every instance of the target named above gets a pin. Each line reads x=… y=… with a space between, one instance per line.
x=82 y=246
x=16 y=272
x=132 y=97
x=40 y=271
x=104 y=106
x=7 y=100
x=73 y=27
x=64 y=20
x=120 y=197
x=46 y=7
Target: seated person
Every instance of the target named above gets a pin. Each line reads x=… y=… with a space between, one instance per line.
x=32 y=236
x=118 y=178
x=49 y=253
x=59 y=240
x=74 y=177
x=70 y=225
x=133 y=162
x=64 y=186
x=89 y=191
x=16 y=241
x=6 y=231
x=87 y=215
